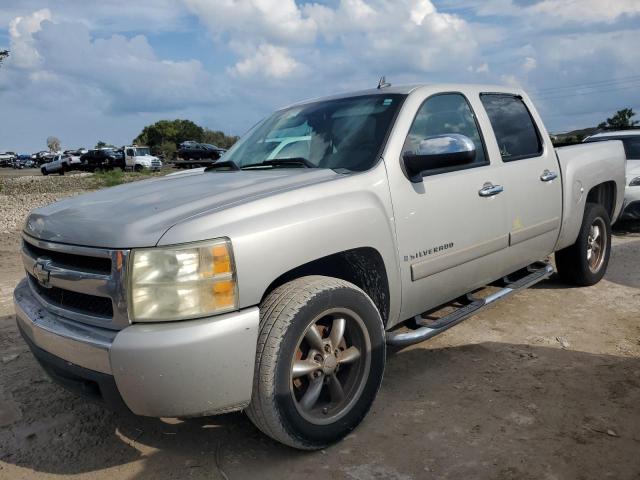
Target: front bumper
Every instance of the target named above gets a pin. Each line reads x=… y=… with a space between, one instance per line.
x=174 y=369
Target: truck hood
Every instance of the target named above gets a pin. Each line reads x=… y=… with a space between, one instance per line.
x=138 y=214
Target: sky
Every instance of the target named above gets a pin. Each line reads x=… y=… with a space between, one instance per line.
x=85 y=71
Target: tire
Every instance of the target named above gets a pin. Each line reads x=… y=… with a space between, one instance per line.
x=279 y=400
x=585 y=262
x=137 y=168
x=44 y=171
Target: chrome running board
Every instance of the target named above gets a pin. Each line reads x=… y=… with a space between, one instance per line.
x=536 y=274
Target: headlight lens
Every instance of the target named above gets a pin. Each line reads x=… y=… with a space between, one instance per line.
x=182 y=282
x=635 y=182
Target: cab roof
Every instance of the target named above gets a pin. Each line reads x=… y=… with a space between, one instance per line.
x=408 y=89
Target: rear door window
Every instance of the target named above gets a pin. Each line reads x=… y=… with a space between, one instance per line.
x=516 y=132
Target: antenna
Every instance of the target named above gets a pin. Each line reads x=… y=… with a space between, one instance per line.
x=382 y=83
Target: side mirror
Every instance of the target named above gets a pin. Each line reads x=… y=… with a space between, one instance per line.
x=439 y=151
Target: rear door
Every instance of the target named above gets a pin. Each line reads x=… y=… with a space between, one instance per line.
x=531 y=176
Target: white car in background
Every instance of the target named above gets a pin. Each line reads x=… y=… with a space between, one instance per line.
x=61 y=164
x=631 y=142
x=137 y=158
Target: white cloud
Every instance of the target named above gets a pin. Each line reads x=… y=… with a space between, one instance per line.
x=587 y=11
x=374 y=35
x=21 y=30
x=272 y=21
x=122 y=73
x=554 y=12
x=105 y=15
x=77 y=64
x=268 y=60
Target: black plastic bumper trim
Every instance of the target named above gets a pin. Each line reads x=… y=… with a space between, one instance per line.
x=95 y=386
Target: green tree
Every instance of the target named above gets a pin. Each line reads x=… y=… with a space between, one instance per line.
x=3 y=54
x=621 y=119
x=100 y=144
x=218 y=138
x=174 y=131
x=167 y=149
x=165 y=136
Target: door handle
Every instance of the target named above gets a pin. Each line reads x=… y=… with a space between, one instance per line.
x=489 y=190
x=548 y=175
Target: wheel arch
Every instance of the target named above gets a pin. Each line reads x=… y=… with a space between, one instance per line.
x=605 y=195
x=364 y=267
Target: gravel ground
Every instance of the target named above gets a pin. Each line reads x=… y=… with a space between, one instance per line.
x=20 y=195
x=545 y=385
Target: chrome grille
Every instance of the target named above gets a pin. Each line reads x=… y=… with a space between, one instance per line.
x=79 y=283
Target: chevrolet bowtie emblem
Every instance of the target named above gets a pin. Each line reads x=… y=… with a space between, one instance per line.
x=41 y=272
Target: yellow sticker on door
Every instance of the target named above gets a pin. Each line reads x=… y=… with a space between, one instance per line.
x=517 y=224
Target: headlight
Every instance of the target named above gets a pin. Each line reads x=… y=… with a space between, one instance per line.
x=182 y=282
x=635 y=182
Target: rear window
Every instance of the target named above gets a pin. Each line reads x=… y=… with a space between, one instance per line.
x=515 y=130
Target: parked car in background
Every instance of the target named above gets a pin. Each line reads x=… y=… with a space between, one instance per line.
x=44 y=156
x=61 y=164
x=7 y=159
x=23 y=161
x=75 y=153
x=190 y=150
x=138 y=158
x=631 y=141
x=102 y=159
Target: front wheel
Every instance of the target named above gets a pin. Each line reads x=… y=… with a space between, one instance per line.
x=585 y=262
x=319 y=363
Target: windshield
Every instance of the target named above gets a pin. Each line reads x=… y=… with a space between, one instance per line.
x=343 y=134
x=142 y=151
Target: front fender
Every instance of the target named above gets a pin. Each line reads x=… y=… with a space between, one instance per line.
x=273 y=235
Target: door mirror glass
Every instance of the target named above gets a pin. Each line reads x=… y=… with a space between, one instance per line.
x=439 y=151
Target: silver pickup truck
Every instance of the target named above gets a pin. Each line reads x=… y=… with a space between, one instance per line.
x=272 y=283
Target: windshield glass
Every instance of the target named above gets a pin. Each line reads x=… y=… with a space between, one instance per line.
x=345 y=134
x=142 y=151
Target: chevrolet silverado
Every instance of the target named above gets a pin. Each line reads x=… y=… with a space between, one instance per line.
x=273 y=282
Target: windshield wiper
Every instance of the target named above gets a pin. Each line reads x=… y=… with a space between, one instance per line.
x=282 y=162
x=224 y=164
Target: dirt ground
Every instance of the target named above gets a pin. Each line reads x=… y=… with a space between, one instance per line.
x=545 y=385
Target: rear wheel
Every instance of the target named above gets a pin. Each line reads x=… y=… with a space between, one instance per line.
x=44 y=171
x=585 y=262
x=319 y=361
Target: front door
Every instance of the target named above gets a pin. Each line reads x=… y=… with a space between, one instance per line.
x=451 y=225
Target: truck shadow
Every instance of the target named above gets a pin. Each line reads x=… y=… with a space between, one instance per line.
x=473 y=411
